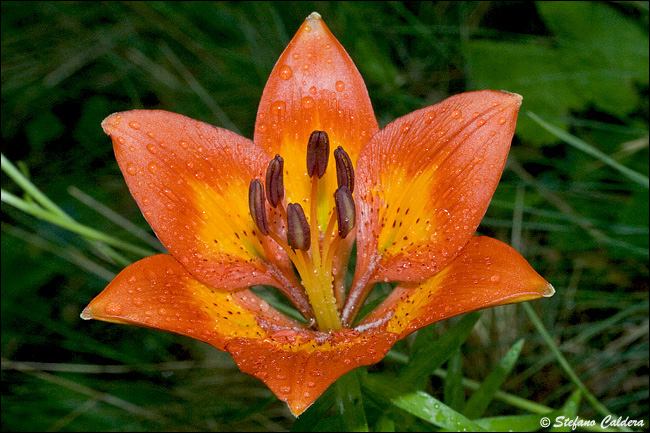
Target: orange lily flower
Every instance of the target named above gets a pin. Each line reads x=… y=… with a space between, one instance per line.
x=284 y=210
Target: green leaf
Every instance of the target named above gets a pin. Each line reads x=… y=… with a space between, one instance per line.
x=454 y=393
x=516 y=423
x=417 y=403
x=427 y=356
x=481 y=398
x=584 y=64
x=569 y=410
x=350 y=403
x=316 y=412
x=591 y=150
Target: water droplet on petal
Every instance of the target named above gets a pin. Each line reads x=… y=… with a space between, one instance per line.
x=135 y=125
x=501 y=120
x=307 y=102
x=114 y=308
x=151 y=148
x=278 y=108
x=152 y=167
x=340 y=86
x=495 y=278
x=131 y=168
x=456 y=114
x=285 y=72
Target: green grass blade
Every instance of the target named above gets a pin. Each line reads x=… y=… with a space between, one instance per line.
x=350 y=403
x=516 y=423
x=598 y=406
x=482 y=397
x=454 y=394
x=70 y=224
x=569 y=410
x=431 y=355
x=417 y=403
x=589 y=149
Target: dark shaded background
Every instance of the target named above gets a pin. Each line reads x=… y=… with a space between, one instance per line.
x=582 y=225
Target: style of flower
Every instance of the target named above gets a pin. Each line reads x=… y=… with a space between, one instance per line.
x=284 y=210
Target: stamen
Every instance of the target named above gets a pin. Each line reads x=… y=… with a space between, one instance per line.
x=298 y=234
x=256 y=204
x=275 y=181
x=318 y=152
x=345 y=210
x=344 y=169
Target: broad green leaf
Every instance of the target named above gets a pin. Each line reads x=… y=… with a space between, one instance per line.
x=417 y=403
x=595 y=57
x=481 y=398
x=431 y=355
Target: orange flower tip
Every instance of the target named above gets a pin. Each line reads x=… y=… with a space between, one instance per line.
x=314 y=16
x=515 y=96
x=109 y=124
x=86 y=314
x=548 y=291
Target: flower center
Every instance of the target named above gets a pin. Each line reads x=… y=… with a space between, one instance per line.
x=311 y=250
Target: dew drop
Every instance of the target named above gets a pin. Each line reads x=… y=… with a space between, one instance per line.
x=340 y=86
x=151 y=148
x=501 y=120
x=131 y=168
x=285 y=72
x=430 y=116
x=480 y=122
x=456 y=114
x=183 y=144
x=312 y=90
x=495 y=278
x=135 y=125
x=121 y=140
x=278 y=108
x=152 y=167
x=114 y=308
x=307 y=102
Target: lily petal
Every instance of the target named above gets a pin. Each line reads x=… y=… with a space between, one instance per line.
x=191 y=180
x=295 y=363
x=487 y=273
x=313 y=86
x=425 y=182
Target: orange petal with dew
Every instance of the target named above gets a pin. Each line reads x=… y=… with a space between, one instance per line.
x=297 y=364
x=487 y=273
x=425 y=181
x=313 y=86
x=191 y=181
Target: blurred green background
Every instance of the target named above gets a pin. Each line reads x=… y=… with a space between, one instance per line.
x=583 y=225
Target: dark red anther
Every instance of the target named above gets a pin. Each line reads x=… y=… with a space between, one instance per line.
x=256 y=204
x=275 y=181
x=298 y=234
x=344 y=169
x=318 y=153
x=345 y=210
